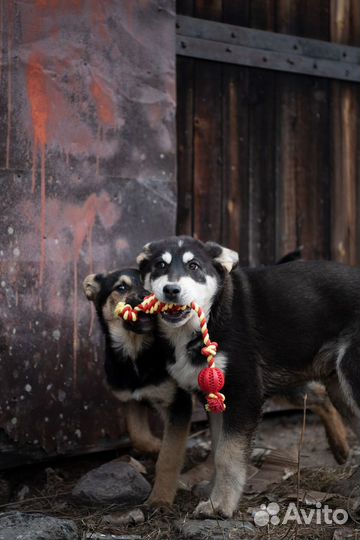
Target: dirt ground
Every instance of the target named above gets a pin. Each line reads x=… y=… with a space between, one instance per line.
x=273 y=477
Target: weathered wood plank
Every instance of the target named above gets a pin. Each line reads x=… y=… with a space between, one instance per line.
x=345 y=109
x=244 y=56
x=185 y=7
x=207 y=139
x=208 y=9
x=280 y=42
x=235 y=219
x=302 y=150
x=262 y=150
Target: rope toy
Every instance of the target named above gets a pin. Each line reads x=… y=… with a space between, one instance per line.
x=211 y=379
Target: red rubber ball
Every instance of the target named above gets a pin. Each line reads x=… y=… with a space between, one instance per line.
x=211 y=380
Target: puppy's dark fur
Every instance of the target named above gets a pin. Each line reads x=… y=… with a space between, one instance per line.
x=135 y=366
x=278 y=327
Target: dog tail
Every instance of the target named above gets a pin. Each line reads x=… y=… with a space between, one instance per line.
x=291 y=256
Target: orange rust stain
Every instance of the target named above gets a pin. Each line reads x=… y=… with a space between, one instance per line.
x=39 y=101
x=104 y=103
x=40 y=112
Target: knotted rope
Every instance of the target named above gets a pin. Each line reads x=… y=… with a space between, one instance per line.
x=211 y=379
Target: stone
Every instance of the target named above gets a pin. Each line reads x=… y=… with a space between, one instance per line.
x=115 y=482
x=133 y=517
x=22 y=526
x=215 y=529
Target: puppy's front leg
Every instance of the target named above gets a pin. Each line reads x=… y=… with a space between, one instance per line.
x=137 y=422
x=172 y=452
x=230 y=476
x=234 y=431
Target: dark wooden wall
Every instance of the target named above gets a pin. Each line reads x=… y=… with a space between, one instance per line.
x=268 y=161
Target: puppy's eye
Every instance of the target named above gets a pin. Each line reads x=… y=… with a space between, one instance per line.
x=122 y=287
x=193 y=265
x=160 y=265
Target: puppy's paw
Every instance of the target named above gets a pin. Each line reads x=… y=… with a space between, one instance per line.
x=158 y=502
x=206 y=509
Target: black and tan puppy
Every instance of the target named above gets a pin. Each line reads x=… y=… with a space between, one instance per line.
x=278 y=327
x=135 y=366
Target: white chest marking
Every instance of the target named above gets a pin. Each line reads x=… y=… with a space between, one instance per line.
x=183 y=371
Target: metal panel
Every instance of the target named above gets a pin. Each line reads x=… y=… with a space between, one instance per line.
x=87 y=169
x=256 y=48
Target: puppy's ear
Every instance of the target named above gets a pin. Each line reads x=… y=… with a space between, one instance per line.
x=222 y=255
x=91 y=287
x=144 y=255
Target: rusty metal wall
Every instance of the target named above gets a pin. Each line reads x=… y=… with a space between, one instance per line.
x=87 y=168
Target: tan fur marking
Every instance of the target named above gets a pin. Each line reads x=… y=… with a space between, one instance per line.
x=137 y=421
x=91 y=287
x=123 y=279
x=144 y=254
x=169 y=464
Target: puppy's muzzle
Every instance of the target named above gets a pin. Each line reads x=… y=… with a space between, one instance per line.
x=171 y=292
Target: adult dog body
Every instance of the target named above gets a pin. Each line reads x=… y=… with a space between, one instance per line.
x=135 y=367
x=277 y=327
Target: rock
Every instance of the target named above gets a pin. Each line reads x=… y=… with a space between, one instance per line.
x=215 y=529
x=113 y=483
x=19 y=525
x=133 y=517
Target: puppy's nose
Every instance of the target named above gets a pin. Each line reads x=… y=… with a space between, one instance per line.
x=171 y=290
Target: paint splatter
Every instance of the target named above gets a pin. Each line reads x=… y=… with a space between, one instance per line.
x=104 y=103
x=40 y=109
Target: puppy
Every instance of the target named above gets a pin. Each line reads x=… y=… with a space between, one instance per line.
x=135 y=367
x=278 y=328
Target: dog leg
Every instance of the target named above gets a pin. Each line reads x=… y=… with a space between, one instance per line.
x=230 y=460
x=341 y=401
x=232 y=434
x=137 y=422
x=319 y=403
x=172 y=452
x=202 y=476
